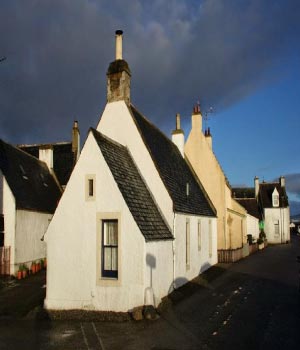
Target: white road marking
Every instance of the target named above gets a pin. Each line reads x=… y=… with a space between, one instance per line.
x=98 y=336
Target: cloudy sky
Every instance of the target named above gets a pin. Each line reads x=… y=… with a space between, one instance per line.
x=241 y=57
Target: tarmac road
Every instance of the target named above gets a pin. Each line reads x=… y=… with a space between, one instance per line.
x=252 y=304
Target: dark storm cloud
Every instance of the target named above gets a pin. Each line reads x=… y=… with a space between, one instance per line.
x=179 y=51
x=293 y=184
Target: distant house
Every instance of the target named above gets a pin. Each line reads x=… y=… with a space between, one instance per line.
x=273 y=206
x=29 y=195
x=232 y=227
x=134 y=222
x=253 y=216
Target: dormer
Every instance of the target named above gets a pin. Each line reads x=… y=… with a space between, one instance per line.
x=275 y=198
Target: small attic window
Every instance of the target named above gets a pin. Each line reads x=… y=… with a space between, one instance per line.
x=25 y=177
x=275 y=198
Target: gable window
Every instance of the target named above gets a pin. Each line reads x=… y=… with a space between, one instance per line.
x=109 y=254
x=90 y=187
x=187 y=244
x=275 y=198
x=199 y=235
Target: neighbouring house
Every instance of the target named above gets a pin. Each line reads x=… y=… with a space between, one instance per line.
x=231 y=223
x=134 y=221
x=60 y=157
x=273 y=206
x=253 y=216
x=29 y=195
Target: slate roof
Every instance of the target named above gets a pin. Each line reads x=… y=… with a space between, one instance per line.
x=174 y=170
x=251 y=205
x=133 y=189
x=63 y=159
x=243 y=192
x=29 y=179
x=265 y=193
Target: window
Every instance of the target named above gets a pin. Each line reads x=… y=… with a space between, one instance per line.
x=276 y=229
x=187 y=244
x=199 y=235
x=210 y=238
x=90 y=188
x=275 y=198
x=109 y=248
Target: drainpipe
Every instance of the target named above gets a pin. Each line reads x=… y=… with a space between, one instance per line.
x=173 y=249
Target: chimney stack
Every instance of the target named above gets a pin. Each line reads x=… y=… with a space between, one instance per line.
x=118 y=75
x=282 y=181
x=208 y=137
x=256 y=186
x=75 y=141
x=197 y=118
x=178 y=136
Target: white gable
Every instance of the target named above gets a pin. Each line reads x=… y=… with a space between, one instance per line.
x=117 y=123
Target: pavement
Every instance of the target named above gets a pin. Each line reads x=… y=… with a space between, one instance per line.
x=19 y=297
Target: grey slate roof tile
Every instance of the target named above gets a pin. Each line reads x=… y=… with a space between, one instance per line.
x=29 y=179
x=133 y=189
x=63 y=159
x=173 y=169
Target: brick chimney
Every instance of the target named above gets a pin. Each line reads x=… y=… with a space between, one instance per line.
x=75 y=141
x=178 y=136
x=118 y=75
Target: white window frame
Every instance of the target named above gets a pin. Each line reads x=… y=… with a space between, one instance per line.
x=210 y=238
x=100 y=279
x=199 y=230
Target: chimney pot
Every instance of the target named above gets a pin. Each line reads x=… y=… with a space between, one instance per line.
x=119 y=34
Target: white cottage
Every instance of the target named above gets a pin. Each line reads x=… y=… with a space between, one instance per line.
x=28 y=197
x=134 y=222
x=273 y=201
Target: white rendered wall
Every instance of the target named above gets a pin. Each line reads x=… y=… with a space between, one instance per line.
x=252 y=226
x=158 y=271
x=117 y=123
x=30 y=228
x=200 y=260
x=272 y=216
x=9 y=211
x=72 y=281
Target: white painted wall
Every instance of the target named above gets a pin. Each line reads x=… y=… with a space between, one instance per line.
x=72 y=281
x=117 y=123
x=158 y=271
x=9 y=211
x=252 y=226
x=199 y=259
x=30 y=228
x=281 y=215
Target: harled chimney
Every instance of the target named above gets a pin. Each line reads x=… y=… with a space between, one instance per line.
x=118 y=75
x=282 y=181
x=256 y=186
x=208 y=137
x=75 y=141
x=178 y=136
x=197 y=118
